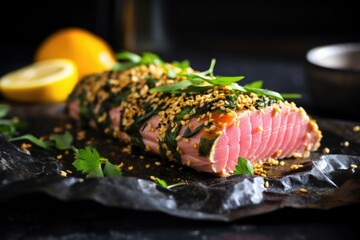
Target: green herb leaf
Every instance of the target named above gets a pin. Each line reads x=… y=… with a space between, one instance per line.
x=35 y=140
x=90 y=162
x=244 y=167
x=183 y=65
x=194 y=82
x=62 y=141
x=291 y=95
x=4 y=110
x=123 y=66
x=188 y=133
x=165 y=185
x=128 y=56
x=111 y=170
x=150 y=58
x=210 y=71
x=205 y=146
x=254 y=84
x=161 y=182
x=172 y=87
x=265 y=92
x=224 y=81
x=7 y=128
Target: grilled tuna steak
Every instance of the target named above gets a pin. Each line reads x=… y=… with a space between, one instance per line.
x=207 y=128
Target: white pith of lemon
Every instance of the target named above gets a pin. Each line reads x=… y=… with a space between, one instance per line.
x=47 y=81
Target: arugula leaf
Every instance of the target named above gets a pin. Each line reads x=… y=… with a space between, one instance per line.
x=129 y=60
x=265 y=92
x=244 y=166
x=123 y=66
x=33 y=139
x=291 y=95
x=90 y=162
x=254 y=84
x=210 y=71
x=128 y=56
x=257 y=85
x=165 y=185
x=160 y=182
x=172 y=87
x=62 y=141
x=183 y=65
x=194 y=82
x=4 y=110
x=149 y=58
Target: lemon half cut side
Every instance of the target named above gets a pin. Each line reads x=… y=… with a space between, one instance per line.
x=47 y=81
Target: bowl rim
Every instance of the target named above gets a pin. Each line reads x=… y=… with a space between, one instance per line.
x=312 y=55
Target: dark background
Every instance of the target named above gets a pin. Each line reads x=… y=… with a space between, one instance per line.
x=181 y=28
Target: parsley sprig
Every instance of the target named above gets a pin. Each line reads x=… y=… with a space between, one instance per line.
x=244 y=166
x=89 y=162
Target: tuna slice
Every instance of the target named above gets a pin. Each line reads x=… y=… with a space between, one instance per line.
x=208 y=142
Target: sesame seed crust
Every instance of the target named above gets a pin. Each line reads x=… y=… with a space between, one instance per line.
x=179 y=116
x=130 y=92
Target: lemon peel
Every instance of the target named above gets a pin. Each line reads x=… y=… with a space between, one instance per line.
x=91 y=53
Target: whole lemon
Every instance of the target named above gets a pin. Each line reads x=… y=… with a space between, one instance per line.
x=91 y=53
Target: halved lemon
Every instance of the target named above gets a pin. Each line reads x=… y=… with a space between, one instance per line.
x=47 y=81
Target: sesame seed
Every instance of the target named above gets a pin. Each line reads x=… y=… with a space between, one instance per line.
x=353 y=166
x=147 y=166
x=152 y=178
x=59 y=157
x=267 y=184
x=25 y=146
x=326 y=150
x=356 y=128
x=130 y=168
x=303 y=190
x=63 y=173
x=157 y=163
x=58 y=129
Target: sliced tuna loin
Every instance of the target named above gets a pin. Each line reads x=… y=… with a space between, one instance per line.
x=207 y=131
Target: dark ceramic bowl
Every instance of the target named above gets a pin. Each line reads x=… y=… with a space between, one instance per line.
x=333 y=78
